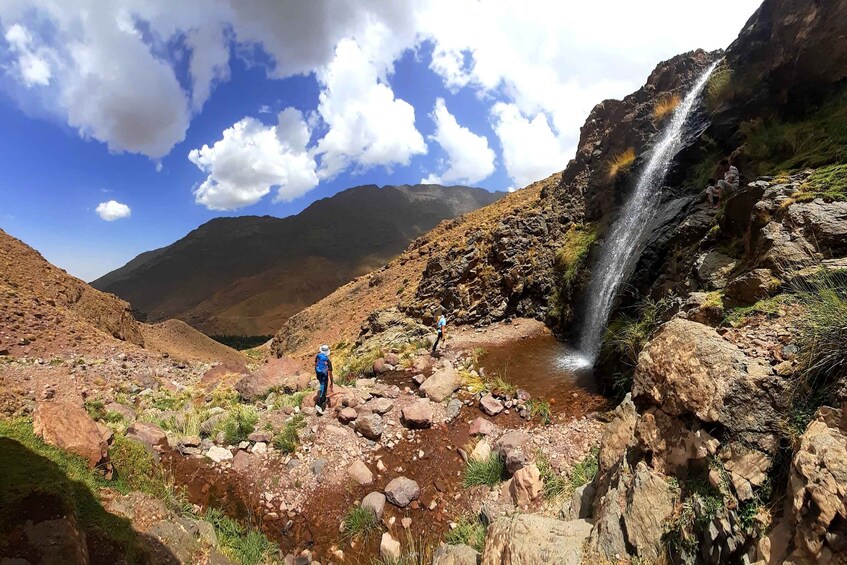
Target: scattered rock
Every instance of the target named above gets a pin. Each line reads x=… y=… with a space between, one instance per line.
x=347 y=415
x=389 y=548
x=402 y=491
x=242 y=460
x=370 y=426
x=481 y=452
x=454 y=407
x=481 y=426
x=490 y=405
x=360 y=473
x=376 y=502
x=441 y=384
x=219 y=454
x=418 y=414
x=381 y=405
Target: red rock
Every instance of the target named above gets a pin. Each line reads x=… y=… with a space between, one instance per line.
x=69 y=427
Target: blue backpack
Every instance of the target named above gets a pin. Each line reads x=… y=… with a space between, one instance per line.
x=322 y=366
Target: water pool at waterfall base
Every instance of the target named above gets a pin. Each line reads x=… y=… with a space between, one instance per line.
x=548 y=370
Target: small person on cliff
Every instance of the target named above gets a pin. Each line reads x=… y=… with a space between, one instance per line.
x=323 y=371
x=713 y=193
x=727 y=183
x=439 y=328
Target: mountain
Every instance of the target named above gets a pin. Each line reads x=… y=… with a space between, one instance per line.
x=247 y=275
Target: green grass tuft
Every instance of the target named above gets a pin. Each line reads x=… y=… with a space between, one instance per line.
x=239 y=423
x=468 y=531
x=555 y=485
x=828 y=183
x=287 y=439
x=487 y=472
x=584 y=471
x=572 y=255
x=540 y=409
x=359 y=521
x=770 y=307
x=247 y=546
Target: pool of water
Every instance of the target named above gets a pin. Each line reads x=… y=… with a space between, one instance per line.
x=547 y=370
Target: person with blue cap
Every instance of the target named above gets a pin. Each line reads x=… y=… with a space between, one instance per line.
x=323 y=371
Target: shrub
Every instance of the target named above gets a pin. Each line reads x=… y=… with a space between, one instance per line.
x=584 y=471
x=135 y=466
x=823 y=331
x=287 y=439
x=293 y=400
x=628 y=335
x=620 y=163
x=185 y=423
x=468 y=531
x=665 y=104
x=247 y=546
x=359 y=521
x=239 y=423
x=487 y=472
x=718 y=88
x=571 y=256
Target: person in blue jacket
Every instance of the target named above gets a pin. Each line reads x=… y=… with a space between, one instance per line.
x=323 y=371
x=439 y=327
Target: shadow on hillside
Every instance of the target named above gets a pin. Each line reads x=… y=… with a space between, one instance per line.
x=35 y=497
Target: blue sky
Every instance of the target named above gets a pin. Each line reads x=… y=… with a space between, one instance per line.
x=129 y=123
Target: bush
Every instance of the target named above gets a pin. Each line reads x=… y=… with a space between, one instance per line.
x=468 y=531
x=287 y=439
x=239 y=423
x=718 y=88
x=823 y=331
x=185 y=423
x=665 y=104
x=621 y=163
x=571 y=256
x=488 y=472
x=359 y=521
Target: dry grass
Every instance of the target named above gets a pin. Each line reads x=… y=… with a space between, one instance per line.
x=621 y=163
x=665 y=105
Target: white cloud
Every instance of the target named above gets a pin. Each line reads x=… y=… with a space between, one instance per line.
x=252 y=158
x=368 y=126
x=112 y=210
x=470 y=158
x=531 y=150
x=32 y=63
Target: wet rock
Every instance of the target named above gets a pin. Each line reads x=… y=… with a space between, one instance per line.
x=370 y=426
x=69 y=427
x=360 y=473
x=389 y=548
x=454 y=407
x=526 y=485
x=401 y=491
x=418 y=414
x=441 y=384
x=219 y=454
x=347 y=415
x=375 y=501
x=528 y=538
x=490 y=405
x=481 y=426
x=455 y=555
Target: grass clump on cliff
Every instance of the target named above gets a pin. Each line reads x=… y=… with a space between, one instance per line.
x=620 y=163
x=719 y=87
x=571 y=256
x=359 y=521
x=243 y=545
x=770 y=307
x=470 y=531
x=828 y=183
x=665 y=105
x=287 y=439
x=486 y=472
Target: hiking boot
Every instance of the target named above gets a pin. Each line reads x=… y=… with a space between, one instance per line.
x=319 y=410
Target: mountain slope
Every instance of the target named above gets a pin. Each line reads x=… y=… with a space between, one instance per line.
x=247 y=275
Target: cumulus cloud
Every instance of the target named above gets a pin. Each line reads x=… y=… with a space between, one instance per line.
x=367 y=124
x=469 y=158
x=112 y=210
x=251 y=159
x=32 y=63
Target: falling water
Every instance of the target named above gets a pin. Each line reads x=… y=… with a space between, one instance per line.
x=625 y=242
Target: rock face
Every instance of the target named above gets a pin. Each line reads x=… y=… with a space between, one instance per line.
x=651 y=502
x=441 y=384
x=69 y=427
x=402 y=491
x=689 y=368
x=277 y=374
x=418 y=415
x=527 y=539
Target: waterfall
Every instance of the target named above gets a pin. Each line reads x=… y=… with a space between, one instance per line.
x=625 y=242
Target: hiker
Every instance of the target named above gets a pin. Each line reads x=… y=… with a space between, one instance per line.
x=713 y=193
x=729 y=182
x=439 y=327
x=323 y=370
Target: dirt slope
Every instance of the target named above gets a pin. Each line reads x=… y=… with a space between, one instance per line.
x=247 y=275
x=181 y=341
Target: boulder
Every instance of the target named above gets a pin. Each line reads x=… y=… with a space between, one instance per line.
x=490 y=405
x=511 y=449
x=243 y=461
x=481 y=426
x=713 y=269
x=824 y=223
x=60 y=540
x=370 y=426
x=650 y=503
x=379 y=366
x=381 y=405
x=347 y=415
x=69 y=427
x=219 y=454
x=481 y=451
x=750 y=287
x=617 y=435
x=150 y=435
x=418 y=414
x=455 y=555
x=389 y=548
x=690 y=368
x=360 y=473
x=441 y=384
x=527 y=539
x=402 y=491
x=454 y=408
x=375 y=501
x=579 y=505
x=277 y=374
x=526 y=485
